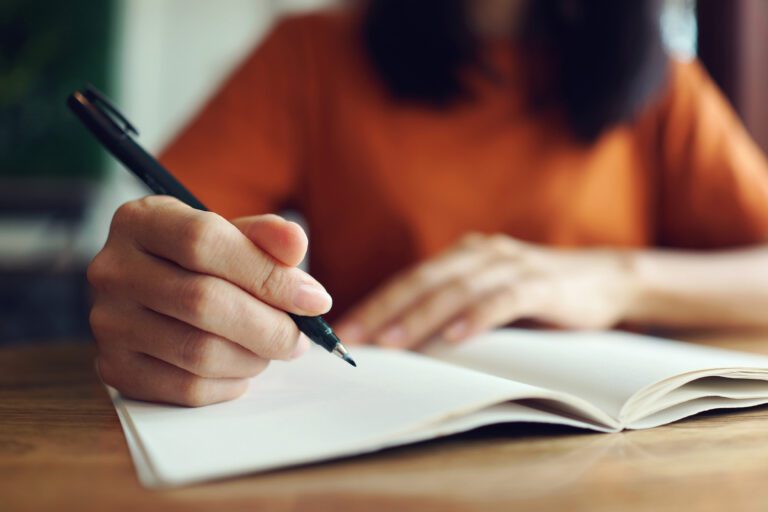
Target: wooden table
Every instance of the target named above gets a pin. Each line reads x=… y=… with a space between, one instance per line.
x=61 y=448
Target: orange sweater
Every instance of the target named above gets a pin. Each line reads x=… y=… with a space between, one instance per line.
x=303 y=123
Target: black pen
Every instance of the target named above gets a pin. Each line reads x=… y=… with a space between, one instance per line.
x=114 y=131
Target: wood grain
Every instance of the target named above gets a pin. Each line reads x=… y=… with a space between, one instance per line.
x=61 y=448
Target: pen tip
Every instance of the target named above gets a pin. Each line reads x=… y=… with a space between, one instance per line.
x=350 y=361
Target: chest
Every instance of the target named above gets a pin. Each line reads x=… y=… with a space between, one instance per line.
x=491 y=169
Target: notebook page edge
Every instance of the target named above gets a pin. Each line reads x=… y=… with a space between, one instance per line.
x=504 y=391
x=646 y=402
x=141 y=462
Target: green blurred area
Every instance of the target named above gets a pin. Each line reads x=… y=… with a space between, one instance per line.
x=48 y=48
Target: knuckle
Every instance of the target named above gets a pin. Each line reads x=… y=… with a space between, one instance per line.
x=105 y=272
x=476 y=317
x=100 y=321
x=421 y=276
x=272 y=281
x=477 y=321
x=428 y=311
x=198 y=235
x=98 y=271
x=196 y=296
x=461 y=288
x=393 y=298
x=280 y=340
x=126 y=215
x=471 y=239
x=199 y=353
x=498 y=243
x=502 y=244
x=436 y=306
x=380 y=306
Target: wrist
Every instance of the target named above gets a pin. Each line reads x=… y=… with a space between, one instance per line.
x=634 y=291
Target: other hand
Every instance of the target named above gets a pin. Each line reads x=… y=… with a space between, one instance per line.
x=489 y=281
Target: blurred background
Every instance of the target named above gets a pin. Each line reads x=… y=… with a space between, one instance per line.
x=159 y=60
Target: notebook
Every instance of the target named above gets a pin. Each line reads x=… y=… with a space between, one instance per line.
x=319 y=408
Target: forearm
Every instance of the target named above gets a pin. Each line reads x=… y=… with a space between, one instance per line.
x=679 y=289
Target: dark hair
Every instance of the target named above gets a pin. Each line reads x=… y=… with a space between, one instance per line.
x=607 y=55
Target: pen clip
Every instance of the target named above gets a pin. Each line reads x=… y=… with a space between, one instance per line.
x=99 y=100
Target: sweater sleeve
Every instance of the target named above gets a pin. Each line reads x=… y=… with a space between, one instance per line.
x=714 y=178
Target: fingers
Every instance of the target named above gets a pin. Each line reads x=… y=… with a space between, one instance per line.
x=208 y=303
x=188 y=306
x=283 y=240
x=143 y=377
x=205 y=243
x=388 y=304
x=523 y=300
x=201 y=353
x=428 y=317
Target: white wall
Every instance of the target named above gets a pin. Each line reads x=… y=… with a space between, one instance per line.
x=678 y=28
x=170 y=55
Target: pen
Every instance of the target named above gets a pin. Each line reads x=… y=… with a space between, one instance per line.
x=114 y=132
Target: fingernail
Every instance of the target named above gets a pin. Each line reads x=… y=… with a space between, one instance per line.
x=312 y=299
x=301 y=347
x=456 y=331
x=393 y=336
x=350 y=333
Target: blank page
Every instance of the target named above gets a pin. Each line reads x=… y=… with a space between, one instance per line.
x=605 y=368
x=311 y=409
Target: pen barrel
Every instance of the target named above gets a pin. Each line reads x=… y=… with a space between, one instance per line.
x=316 y=330
x=128 y=152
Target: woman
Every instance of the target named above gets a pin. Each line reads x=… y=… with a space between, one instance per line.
x=462 y=165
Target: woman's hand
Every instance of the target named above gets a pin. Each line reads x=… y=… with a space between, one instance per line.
x=489 y=281
x=188 y=306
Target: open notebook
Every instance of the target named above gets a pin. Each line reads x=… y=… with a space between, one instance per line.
x=319 y=408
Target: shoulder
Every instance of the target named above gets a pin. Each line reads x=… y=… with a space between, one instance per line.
x=687 y=100
x=688 y=79
x=686 y=72
x=687 y=87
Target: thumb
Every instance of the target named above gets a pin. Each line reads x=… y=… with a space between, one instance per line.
x=284 y=240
